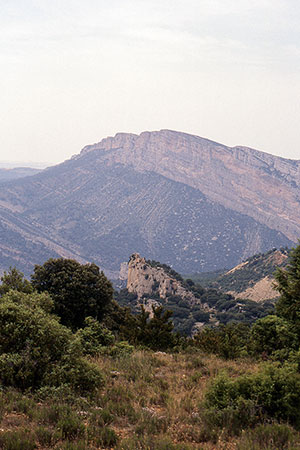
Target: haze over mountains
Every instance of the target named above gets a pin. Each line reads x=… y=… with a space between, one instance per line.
x=173 y=197
x=15 y=173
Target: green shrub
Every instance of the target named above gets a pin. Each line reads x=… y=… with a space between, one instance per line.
x=228 y=341
x=80 y=445
x=14 y=280
x=45 y=436
x=71 y=427
x=82 y=376
x=273 y=334
x=53 y=413
x=37 y=350
x=274 y=392
x=120 y=349
x=94 y=337
x=101 y=417
x=231 y=418
x=106 y=437
x=154 y=332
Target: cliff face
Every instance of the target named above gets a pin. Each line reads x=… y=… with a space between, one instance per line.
x=146 y=279
x=258 y=184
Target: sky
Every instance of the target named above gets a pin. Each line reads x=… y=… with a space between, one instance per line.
x=73 y=72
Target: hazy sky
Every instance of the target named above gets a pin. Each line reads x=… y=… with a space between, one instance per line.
x=73 y=72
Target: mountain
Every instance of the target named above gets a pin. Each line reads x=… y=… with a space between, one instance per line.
x=189 y=202
x=18 y=172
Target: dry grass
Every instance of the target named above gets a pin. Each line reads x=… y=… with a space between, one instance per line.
x=150 y=401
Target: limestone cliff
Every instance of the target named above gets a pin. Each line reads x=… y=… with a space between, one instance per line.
x=144 y=278
x=264 y=186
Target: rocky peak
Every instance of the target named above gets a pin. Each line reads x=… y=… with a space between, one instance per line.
x=146 y=278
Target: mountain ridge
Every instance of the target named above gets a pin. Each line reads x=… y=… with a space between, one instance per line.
x=195 y=159
x=154 y=194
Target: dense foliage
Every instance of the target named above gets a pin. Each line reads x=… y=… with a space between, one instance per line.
x=36 y=350
x=272 y=393
x=78 y=290
x=288 y=285
x=198 y=402
x=14 y=279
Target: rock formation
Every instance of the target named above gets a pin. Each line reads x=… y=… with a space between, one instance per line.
x=144 y=278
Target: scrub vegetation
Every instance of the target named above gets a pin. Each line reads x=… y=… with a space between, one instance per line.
x=113 y=380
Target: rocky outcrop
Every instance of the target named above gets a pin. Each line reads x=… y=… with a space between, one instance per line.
x=144 y=278
x=261 y=290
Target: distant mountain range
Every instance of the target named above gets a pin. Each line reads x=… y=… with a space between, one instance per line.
x=183 y=200
x=18 y=172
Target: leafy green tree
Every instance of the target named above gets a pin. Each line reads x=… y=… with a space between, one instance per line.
x=94 y=337
x=36 y=350
x=288 y=285
x=272 y=334
x=155 y=332
x=78 y=290
x=14 y=279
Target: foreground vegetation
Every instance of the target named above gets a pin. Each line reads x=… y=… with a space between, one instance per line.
x=78 y=371
x=155 y=401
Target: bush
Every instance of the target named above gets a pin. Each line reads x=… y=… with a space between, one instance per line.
x=228 y=341
x=106 y=437
x=71 y=427
x=155 y=332
x=78 y=290
x=37 y=350
x=94 y=337
x=274 y=392
x=271 y=334
x=14 y=280
x=17 y=440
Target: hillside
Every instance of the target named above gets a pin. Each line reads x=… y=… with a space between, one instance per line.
x=192 y=203
x=252 y=279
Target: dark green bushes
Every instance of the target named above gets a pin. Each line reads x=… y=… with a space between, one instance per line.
x=273 y=335
x=78 y=290
x=228 y=341
x=36 y=350
x=272 y=393
x=94 y=337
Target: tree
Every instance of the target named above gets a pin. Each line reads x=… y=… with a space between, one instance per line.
x=288 y=285
x=155 y=332
x=78 y=290
x=36 y=350
x=272 y=334
x=14 y=279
